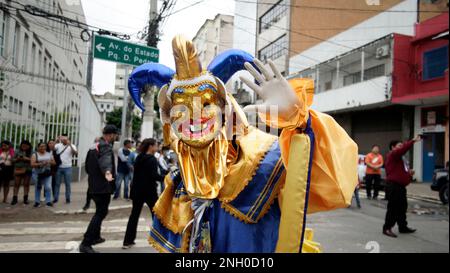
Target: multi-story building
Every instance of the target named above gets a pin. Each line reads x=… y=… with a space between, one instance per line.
x=43 y=71
x=213 y=37
x=108 y=102
x=360 y=58
x=120 y=84
x=272 y=32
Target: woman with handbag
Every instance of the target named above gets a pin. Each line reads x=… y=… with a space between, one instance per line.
x=41 y=162
x=22 y=171
x=6 y=168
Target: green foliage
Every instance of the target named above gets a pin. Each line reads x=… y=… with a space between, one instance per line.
x=115 y=117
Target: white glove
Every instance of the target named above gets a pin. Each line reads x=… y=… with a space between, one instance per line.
x=274 y=89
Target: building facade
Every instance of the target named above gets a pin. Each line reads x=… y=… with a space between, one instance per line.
x=43 y=77
x=360 y=69
x=213 y=37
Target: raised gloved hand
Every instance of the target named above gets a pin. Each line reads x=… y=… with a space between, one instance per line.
x=275 y=91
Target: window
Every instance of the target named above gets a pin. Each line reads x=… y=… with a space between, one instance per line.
x=44 y=71
x=3 y=32
x=33 y=57
x=435 y=62
x=374 y=72
x=25 y=52
x=16 y=46
x=274 y=50
x=272 y=16
x=328 y=86
x=11 y=104
x=352 y=78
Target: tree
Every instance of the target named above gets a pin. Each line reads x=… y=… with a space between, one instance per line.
x=115 y=117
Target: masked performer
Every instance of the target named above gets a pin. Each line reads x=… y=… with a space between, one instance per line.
x=240 y=189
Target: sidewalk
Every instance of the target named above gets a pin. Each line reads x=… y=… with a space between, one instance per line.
x=78 y=200
x=422 y=191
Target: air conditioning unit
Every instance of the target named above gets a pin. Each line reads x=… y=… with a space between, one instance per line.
x=382 y=52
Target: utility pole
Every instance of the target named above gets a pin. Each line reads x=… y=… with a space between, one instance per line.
x=150 y=91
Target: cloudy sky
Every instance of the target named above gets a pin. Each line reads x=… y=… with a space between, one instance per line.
x=131 y=16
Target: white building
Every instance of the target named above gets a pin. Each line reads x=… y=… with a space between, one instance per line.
x=108 y=102
x=121 y=85
x=213 y=37
x=272 y=37
x=43 y=67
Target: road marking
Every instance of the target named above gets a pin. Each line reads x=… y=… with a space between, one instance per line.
x=124 y=220
x=65 y=230
x=62 y=245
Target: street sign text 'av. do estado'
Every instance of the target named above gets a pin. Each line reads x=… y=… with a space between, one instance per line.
x=118 y=51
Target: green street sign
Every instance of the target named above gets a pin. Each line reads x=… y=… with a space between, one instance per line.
x=118 y=51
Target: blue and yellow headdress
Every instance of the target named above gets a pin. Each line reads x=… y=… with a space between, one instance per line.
x=188 y=71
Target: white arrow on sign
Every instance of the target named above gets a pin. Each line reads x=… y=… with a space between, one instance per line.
x=100 y=47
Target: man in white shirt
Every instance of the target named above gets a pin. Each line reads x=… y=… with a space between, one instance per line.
x=65 y=150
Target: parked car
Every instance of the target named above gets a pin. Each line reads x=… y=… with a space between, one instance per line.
x=440 y=184
x=362 y=173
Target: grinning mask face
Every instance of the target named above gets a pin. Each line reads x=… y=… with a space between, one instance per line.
x=196 y=115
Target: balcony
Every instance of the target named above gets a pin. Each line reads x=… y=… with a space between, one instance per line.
x=360 y=78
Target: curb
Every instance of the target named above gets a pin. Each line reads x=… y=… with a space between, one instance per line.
x=80 y=211
x=425 y=198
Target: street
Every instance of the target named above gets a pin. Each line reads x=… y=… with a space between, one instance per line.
x=23 y=229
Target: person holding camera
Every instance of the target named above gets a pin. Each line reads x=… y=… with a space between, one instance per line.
x=41 y=162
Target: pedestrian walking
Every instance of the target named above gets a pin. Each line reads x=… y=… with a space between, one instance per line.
x=132 y=159
x=398 y=177
x=88 y=194
x=163 y=166
x=374 y=162
x=22 y=171
x=123 y=170
x=65 y=151
x=6 y=168
x=41 y=162
x=143 y=187
x=100 y=167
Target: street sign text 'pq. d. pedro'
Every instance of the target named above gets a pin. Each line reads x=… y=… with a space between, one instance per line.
x=118 y=51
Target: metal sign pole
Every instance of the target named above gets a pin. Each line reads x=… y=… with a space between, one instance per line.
x=125 y=106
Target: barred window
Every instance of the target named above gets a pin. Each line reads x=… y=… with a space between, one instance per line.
x=352 y=78
x=273 y=15
x=374 y=72
x=3 y=25
x=274 y=50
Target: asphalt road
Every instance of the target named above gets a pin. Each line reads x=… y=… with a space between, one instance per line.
x=24 y=229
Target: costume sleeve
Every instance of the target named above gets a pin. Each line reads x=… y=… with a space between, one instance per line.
x=334 y=169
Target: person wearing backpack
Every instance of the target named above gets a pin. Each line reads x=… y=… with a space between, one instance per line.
x=100 y=167
x=64 y=152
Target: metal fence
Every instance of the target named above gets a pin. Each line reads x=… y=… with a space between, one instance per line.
x=37 y=108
